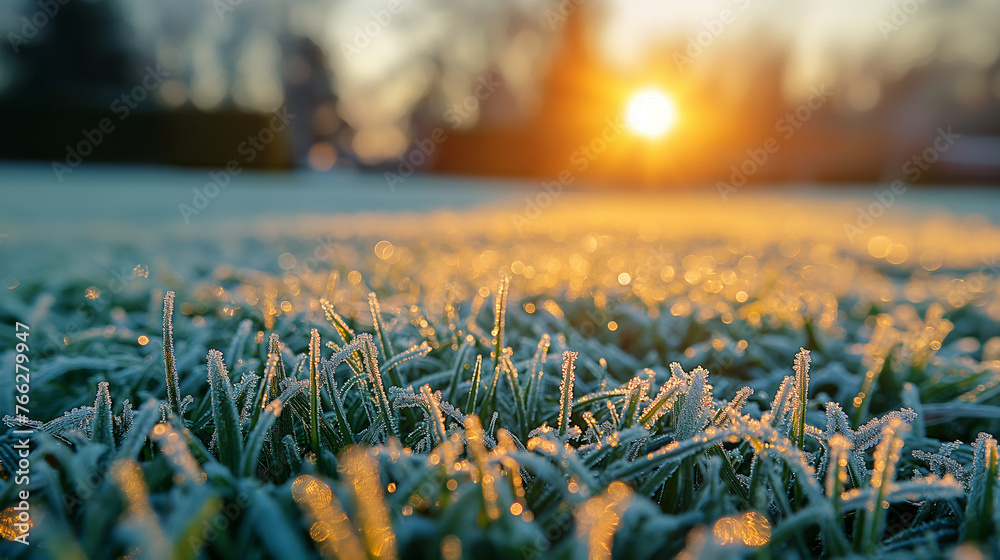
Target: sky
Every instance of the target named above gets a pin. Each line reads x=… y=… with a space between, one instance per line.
x=856 y=44
x=826 y=41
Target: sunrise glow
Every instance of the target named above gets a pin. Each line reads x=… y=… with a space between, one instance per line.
x=651 y=114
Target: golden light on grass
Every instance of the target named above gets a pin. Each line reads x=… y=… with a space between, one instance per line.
x=747 y=529
x=361 y=470
x=173 y=446
x=599 y=518
x=451 y=548
x=128 y=477
x=331 y=529
x=485 y=471
x=651 y=113
x=8 y=520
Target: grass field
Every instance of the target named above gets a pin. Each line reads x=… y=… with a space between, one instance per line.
x=608 y=377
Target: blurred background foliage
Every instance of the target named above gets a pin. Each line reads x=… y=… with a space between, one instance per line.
x=516 y=88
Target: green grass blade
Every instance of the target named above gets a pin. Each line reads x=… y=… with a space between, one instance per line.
x=378 y=387
x=314 y=410
x=376 y=310
x=521 y=414
x=338 y=322
x=239 y=341
x=462 y=359
x=802 y=360
x=887 y=455
x=224 y=414
x=264 y=389
x=980 y=512
x=344 y=427
x=499 y=321
x=389 y=367
x=566 y=391
x=173 y=385
x=489 y=405
x=102 y=424
x=689 y=419
x=437 y=429
x=477 y=373
x=535 y=388
x=145 y=418
x=255 y=441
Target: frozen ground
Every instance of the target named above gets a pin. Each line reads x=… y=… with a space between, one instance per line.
x=899 y=310
x=94 y=202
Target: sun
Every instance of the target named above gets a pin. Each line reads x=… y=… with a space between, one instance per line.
x=651 y=114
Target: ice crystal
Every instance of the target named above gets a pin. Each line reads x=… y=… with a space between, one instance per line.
x=694 y=412
x=173 y=384
x=566 y=391
x=942 y=463
x=228 y=429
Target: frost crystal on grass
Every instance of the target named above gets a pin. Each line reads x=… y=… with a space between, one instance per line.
x=688 y=453
x=242 y=392
x=173 y=384
x=883 y=478
x=434 y=418
x=942 y=463
x=871 y=433
x=782 y=406
x=566 y=391
x=228 y=430
x=801 y=400
x=102 y=426
x=731 y=411
x=694 y=411
x=127 y=418
x=663 y=402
